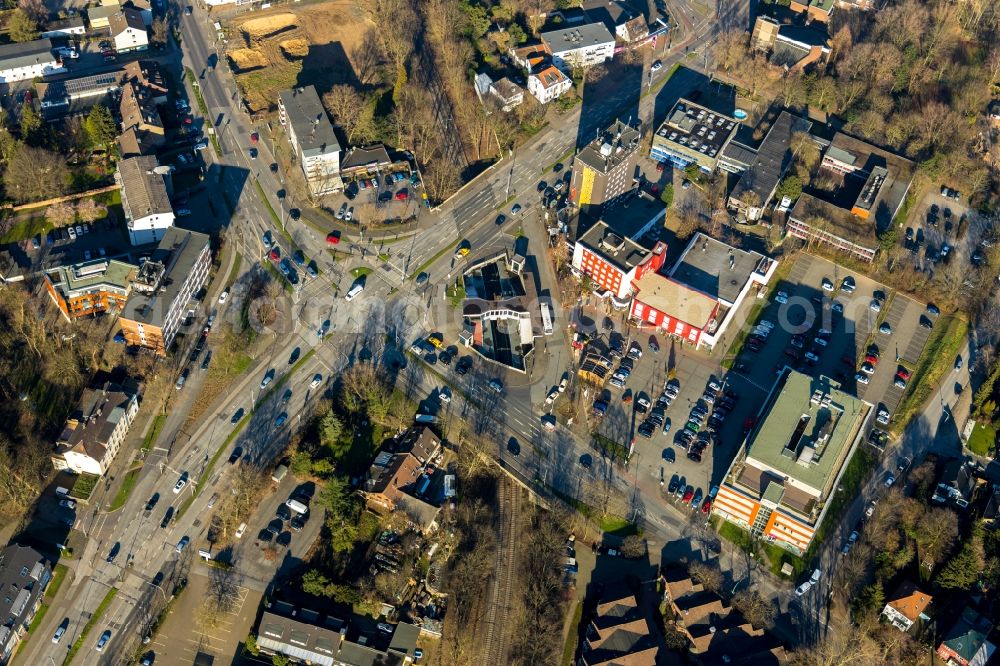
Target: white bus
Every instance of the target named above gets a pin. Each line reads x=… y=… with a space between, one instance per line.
x=547 y=318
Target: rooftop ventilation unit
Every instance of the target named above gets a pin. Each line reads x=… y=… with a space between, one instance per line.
x=613 y=242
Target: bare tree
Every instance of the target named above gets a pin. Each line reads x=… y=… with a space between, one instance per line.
x=708 y=575
x=34 y=174
x=758 y=611
x=350 y=110
x=221 y=597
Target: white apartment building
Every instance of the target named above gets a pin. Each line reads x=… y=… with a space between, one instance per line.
x=580 y=46
x=148 y=213
x=311 y=135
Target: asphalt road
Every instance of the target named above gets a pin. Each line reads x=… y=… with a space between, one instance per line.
x=471 y=214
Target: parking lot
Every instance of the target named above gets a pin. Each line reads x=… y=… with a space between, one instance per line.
x=654 y=400
x=380 y=198
x=270 y=537
x=831 y=330
x=178 y=642
x=816 y=326
x=86 y=241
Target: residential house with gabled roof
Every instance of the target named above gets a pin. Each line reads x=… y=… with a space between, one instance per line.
x=907 y=605
x=404 y=477
x=957 y=484
x=100 y=16
x=992 y=511
x=966 y=644
x=137 y=109
x=28 y=60
x=94 y=432
x=548 y=83
x=24 y=575
x=619 y=633
x=529 y=56
x=128 y=30
x=509 y=94
x=717 y=634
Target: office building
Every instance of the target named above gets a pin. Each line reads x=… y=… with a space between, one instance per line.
x=605 y=169
x=780 y=484
x=698 y=298
x=693 y=134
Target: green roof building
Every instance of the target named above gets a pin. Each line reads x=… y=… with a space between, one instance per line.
x=780 y=483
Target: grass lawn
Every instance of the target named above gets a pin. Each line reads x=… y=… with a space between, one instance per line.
x=937 y=359
x=735 y=535
x=235 y=273
x=612 y=448
x=84 y=486
x=456 y=294
x=37 y=620
x=859 y=469
x=58 y=576
x=580 y=506
x=94 y=619
x=776 y=556
x=26 y=228
x=569 y=649
x=618 y=526
x=982 y=439
x=360 y=271
x=154 y=431
x=127 y=485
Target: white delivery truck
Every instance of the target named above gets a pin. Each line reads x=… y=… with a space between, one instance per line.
x=355 y=290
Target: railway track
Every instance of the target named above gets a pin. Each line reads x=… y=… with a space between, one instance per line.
x=497 y=617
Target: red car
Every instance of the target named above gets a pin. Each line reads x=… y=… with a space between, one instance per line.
x=188 y=121
x=903 y=373
x=275 y=253
x=402 y=195
x=254 y=137
x=688 y=494
x=707 y=506
x=333 y=237
x=871 y=358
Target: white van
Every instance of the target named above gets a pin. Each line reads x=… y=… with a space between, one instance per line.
x=240 y=530
x=297 y=506
x=355 y=290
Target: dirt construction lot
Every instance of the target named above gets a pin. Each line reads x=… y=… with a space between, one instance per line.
x=320 y=44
